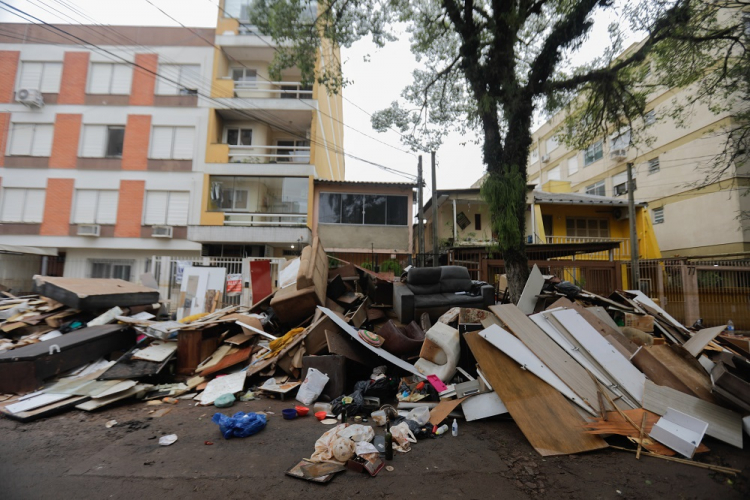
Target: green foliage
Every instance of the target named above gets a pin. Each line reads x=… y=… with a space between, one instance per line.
x=391 y=265
x=367 y=265
x=505 y=195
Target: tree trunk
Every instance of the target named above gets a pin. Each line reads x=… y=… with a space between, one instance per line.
x=517 y=272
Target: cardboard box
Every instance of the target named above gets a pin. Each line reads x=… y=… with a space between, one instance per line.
x=643 y=323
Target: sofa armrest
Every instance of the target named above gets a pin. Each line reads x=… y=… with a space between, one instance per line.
x=403 y=303
x=488 y=295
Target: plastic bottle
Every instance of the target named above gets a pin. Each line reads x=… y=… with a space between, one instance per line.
x=454 y=428
x=388 y=441
x=441 y=430
x=730 y=326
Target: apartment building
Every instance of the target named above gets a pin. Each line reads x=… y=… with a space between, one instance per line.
x=102 y=143
x=267 y=141
x=689 y=218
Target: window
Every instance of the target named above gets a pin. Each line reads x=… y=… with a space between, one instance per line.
x=653 y=165
x=597 y=189
x=43 y=76
x=112 y=269
x=551 y=144
x=296 y=92
x=172 y=143
x=244 y=77
x=587 y=228
x=239 y=9
x=240 y=136
x=22 y=205
x=621 y=141
x=572 y=165
x=100 y=141
x=534 y=155
x=166 y=208
x=30 y=139
x=477 y=221
x=368 y=209
x=178 y=79
x=554 y=174
x=650 y=117
x=108 y=78
x=593 y=153
x=272 y=195
x=95 y=206
x=620 y=183
x=658 y=215
x=293 y=151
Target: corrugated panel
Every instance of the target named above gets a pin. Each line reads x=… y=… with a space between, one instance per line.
x=21 y=137
x=183 y=143
x=51 y=77
x=100 y=78
x=169 y=73
x=31 y=75
x=42 y=144
x=161 y=142
x=94 y=140
x=122 y=75
x=13 y=201
x=34 y=205
x=156 y=207
x=177 y=212
x=107 y=213
x=84 y=211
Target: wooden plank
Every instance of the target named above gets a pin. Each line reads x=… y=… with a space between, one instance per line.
x=550 y=423
x=95 y=404
x=525 y=357
x=229 y=360
x=157 y=351
x=618 y=367
x=643 y=300
x=532 y=288
x=571 y=373
x=601 y=326
x=337 y=344
x=724 y=425
x=443 y=409
x=667 y=366
x=45 y=411
x=701 y=339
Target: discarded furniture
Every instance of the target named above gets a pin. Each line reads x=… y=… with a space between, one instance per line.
x=94 y=293
x=296 y=302
x=435 y=290
x=447 y=340
x=401 y=341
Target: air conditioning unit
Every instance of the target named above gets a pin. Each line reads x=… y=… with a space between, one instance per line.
x=30 y=97
x=545 y=158
x=161 y=231
x=618 y=154
x=88 y=229
x=621 y=213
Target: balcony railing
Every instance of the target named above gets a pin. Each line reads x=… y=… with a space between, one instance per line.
x=271 y=90
x=269 y=154
x=620 y=253
x=264 y=219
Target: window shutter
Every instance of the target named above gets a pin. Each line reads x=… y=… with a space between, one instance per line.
x=21 y=137
x=572 y=165
x=100 y=78
x=85 y=207
x=42 y=145
x=51 y=77
x=190 y=76
x=156 y=207
x=31 y=75
x=13 y=204
x=169 y=73
x=122 y=75
x=107 y=210
x=161 y=143
x=183 y=143
x=177 y=211
x=554 y=174
x=34 y=206
x=620 y=178
x=94 y=141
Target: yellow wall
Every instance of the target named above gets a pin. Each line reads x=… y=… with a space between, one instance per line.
x=556 y=187
x=209 y=218
x=327 y=129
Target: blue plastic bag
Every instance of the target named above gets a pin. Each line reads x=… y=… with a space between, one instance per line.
x=240 y=424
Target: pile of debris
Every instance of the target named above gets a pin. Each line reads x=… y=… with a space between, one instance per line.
x=570 y=367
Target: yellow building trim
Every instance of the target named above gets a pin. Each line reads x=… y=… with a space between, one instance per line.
x=539 y=223
x=209 y=218
x=310 y=201
x=556 y=186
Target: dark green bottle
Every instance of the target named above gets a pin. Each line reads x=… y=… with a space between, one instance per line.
x=388 y=441
x=343 y=414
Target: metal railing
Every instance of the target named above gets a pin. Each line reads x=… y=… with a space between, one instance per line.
x=276 y=90
x=264 y=219
x=620 y=253
x=269 y=154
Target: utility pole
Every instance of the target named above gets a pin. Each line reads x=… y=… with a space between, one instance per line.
x=420 y=200
x=435 y=250
x=635 y=271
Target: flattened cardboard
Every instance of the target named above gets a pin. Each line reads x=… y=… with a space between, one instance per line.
x=94 y=293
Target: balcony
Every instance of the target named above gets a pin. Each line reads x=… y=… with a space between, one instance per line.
x=250 y=234
x=299 y=155
x=272 y=90
x=620 y=253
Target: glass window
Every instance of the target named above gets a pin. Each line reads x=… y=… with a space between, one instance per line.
x=330 y=208
x=115 y=138
x=587 y=228
x=239 y=136
x=654 y=165
x=398 y=211
x=551 y=144
x=650 y=117
x=375 y=209
x=351 y=208
x=273 y=195
x=595 y=152
x=621 y=141
x=597 y=189
x=658 y=214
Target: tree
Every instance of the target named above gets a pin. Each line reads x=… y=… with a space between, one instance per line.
x=488 y=65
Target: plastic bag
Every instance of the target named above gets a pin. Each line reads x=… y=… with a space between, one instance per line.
x=402 y=437
x=324 y=446
x=288 y=275
x=240 y=424
x=421 y=415
x=358 y=432
x=313 y=385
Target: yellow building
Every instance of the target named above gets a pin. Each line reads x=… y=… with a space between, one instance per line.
x=267 y=141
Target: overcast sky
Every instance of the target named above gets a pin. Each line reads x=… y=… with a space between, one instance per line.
x=376 y=84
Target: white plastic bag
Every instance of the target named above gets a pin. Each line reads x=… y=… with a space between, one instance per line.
x=402 y=437
x=420 y=415
x=288 y=275
x=358 y=432
x=313 y=385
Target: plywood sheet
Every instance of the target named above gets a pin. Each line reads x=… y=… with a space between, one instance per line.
x=157 y=351
x=550 y=423
x=561 y=363
x=665 y=365
x=95 y=404
x=615 y=364
x=229 y=360
x=443 y=409
x=350 y=349
x=701 y=339
x=603 y=327
x=724 y=425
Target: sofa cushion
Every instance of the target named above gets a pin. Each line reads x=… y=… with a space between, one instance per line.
x=424 y=280
x=454 y=279
x=432 y=300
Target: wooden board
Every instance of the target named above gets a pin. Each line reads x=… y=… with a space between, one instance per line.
x=603 y=327
x=561 y=363
x=615 y=364
x=95 y=404
x=350 y=349
x=664 y=366
x=550 y=423
x=443 y=409
x=532 y=288
x=724 y=425
x=239 y=339
x=157 y=351
x=229 y=360
x=522 y=355
x=45 y=411
x=701 y=339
